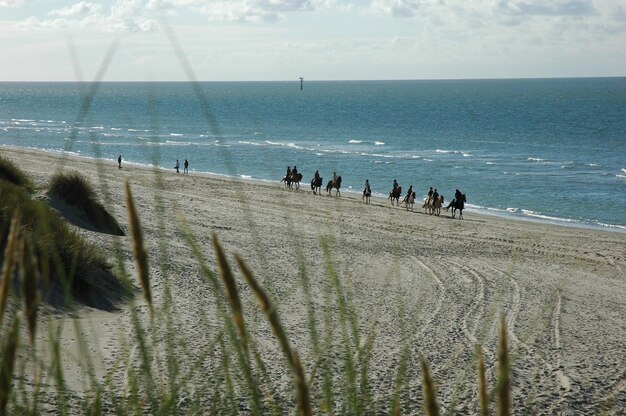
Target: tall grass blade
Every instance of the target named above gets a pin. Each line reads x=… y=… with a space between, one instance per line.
x=9 y=263
x=7 y=365
x=431 y=408
x=231 y=290
x=29 y=278
x=302 y=390
x=504 y=375
x=482 y=383
x=139 y=250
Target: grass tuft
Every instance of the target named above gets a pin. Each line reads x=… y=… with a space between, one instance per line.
x=74 y=190
x=11 y=173
x=74 y=268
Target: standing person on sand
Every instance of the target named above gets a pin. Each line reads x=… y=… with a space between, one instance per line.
x=186 y=165
x=119 y=162
x=177 y=166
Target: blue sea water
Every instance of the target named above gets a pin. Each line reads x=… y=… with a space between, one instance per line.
x=546 y=149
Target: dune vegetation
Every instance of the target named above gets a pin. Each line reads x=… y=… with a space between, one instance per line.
x=74 y=190
x=65 y=266
x=9 y=172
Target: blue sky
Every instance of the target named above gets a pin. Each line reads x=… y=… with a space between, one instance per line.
x=53 y=40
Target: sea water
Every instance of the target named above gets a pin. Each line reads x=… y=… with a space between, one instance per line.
x=545 y=149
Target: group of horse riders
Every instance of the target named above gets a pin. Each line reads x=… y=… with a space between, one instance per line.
x=433 y=202
x=294 y=177
x=434 y=199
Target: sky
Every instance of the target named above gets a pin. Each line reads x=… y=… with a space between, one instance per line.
x=265 y=40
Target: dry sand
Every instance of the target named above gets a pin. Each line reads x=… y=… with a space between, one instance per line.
x=562 y=290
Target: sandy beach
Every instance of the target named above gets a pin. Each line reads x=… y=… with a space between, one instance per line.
x=434 y=285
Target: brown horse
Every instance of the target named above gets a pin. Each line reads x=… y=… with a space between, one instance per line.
x=334 y=184
x=395 y=194
x=292 y=179
x=433 y=205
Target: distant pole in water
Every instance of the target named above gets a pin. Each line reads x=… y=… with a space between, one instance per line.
x=301 y=83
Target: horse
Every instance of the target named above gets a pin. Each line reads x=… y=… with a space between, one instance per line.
x=409 y=200
x=295 y=179
x=433 y=205
x=457 y=203
x=395 y=194
x=291 y=179
x=316 y=186
x=334 y=184
x=367 y=193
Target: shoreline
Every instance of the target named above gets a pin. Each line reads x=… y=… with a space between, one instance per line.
x=489 y=212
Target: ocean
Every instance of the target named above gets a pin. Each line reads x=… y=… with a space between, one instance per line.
x=550 y=150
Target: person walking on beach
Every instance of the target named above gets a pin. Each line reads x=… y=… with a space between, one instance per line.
x=177 y=166
x=186 y=165
x=119 y=162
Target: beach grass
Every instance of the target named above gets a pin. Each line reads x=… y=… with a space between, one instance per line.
x=64 y=264
x=10 y=172
x=75 y=190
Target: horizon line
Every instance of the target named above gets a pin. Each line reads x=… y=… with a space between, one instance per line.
x=297 y=79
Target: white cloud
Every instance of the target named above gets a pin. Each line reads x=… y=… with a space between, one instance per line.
x=124 y=16
x=11 y=3
x=241 y=10
x=79 y=9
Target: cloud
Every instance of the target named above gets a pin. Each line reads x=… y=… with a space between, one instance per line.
x=124 y=16
x=552 y=8
x=241 y=10
x=79 y=9
x=11 y=3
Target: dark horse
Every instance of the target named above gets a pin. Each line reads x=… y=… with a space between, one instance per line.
x=293 y=178
x=395 y=194
x=334 y=184
x=316 y=185
x=457 y=203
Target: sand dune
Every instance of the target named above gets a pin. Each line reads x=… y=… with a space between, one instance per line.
x=435 y=284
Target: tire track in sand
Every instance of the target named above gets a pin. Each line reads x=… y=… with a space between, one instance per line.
x=514 y=308
x=562 y=379
x=440 y=296
x=478 y=304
